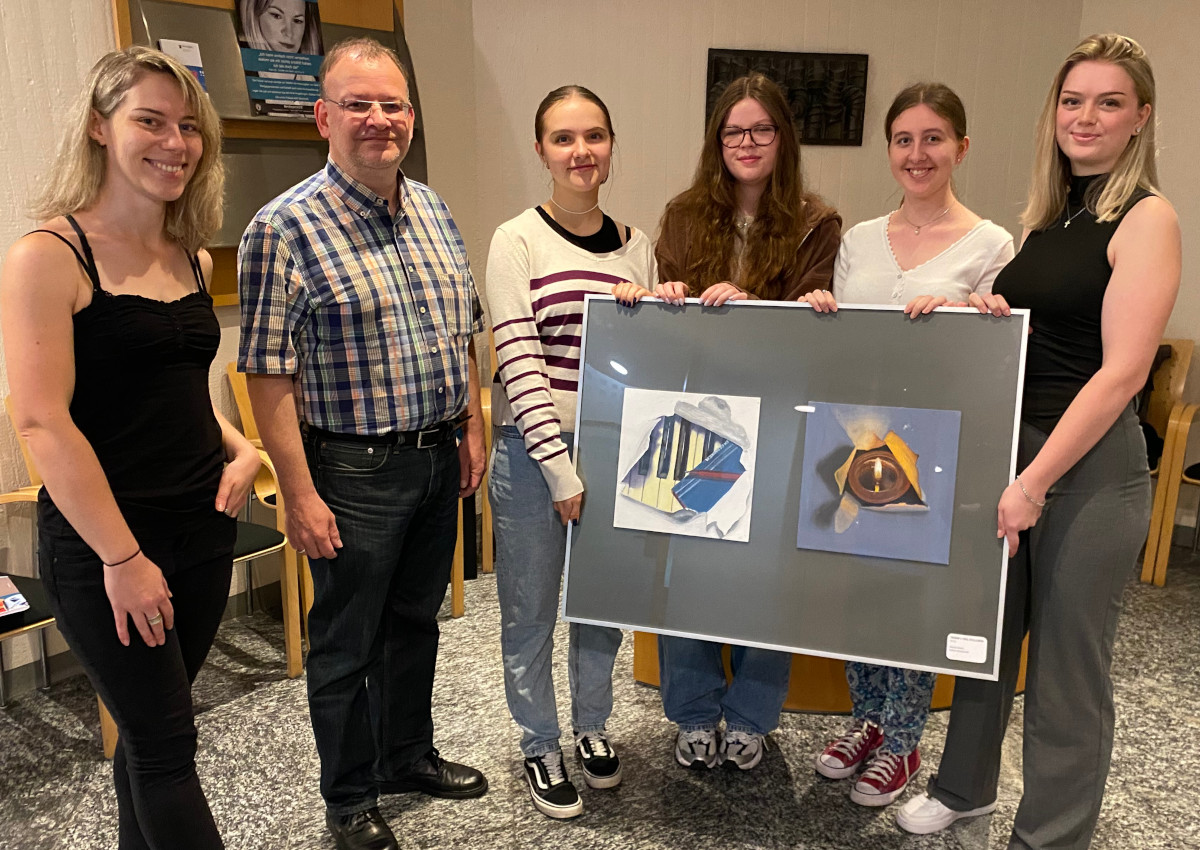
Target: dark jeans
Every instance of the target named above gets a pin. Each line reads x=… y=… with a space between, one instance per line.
x=373 y=626
x=160 y=803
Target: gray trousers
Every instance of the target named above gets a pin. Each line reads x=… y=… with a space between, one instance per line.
x=1064 y=587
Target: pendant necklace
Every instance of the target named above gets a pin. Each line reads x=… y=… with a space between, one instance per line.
x=573 y=212
x=917 y=227
x=1070 y=217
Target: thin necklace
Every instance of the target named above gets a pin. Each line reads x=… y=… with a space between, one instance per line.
x=1071 y=218
x=917 y=227
x=573 y=212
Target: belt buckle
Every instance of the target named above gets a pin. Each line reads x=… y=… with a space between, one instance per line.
x=434 y=436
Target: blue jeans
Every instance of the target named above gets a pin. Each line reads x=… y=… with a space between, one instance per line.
x=373 y=627
x=696 y=696
x=894 y=699
x=530 y=546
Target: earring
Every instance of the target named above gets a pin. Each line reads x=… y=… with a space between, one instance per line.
x=1137 y=130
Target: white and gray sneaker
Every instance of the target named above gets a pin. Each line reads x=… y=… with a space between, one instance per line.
x=601 y=765
x=743 y=750
x=923 y=814
x=552 y=792
x=697 y=749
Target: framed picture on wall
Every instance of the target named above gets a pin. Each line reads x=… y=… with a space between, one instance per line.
x=826 y=91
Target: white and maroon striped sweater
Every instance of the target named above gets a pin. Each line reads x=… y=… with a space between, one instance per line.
x=535 y=286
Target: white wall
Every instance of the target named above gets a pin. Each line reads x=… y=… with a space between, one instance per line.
x=48 y=49
x=1167 y=29
x=648 y=61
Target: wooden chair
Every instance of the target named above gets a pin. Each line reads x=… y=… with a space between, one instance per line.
x=488 y=542
x=1171 y=417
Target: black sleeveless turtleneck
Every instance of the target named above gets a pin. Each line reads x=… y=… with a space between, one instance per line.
x=1061 y=274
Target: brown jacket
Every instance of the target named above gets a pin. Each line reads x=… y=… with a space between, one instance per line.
x=812 y=270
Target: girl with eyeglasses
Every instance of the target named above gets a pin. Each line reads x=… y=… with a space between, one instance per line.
x=109 y=333
x=541 y=265
x=745 y=228
x=1099 y=270
x=930 y=251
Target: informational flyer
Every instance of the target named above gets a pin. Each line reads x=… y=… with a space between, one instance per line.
x=282 y=53
x=11 y=599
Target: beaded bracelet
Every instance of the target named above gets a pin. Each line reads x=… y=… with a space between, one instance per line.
x=134 y=555
x=1028 y=498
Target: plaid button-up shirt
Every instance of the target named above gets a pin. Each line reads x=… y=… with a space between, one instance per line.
x=371 y=313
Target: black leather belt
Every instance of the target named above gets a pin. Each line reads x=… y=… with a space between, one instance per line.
x=426 y=438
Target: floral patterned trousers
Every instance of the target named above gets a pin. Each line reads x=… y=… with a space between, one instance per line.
x=895 y=700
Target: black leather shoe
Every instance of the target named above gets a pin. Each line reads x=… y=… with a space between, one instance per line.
x=361 y=831
x=435 y=776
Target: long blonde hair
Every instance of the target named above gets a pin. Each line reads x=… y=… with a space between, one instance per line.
x=80 y=166
x=1136 y=168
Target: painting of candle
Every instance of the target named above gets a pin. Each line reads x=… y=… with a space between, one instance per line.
x=879 y=481
x=686 y=463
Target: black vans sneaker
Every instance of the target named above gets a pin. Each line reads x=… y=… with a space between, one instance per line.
x=601 y=766
x=552 y=792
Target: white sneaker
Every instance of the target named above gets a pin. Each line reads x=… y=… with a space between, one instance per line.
x=697 y=749
x=744 y=750
x=923 y=814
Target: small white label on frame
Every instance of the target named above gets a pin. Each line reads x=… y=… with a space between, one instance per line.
x=969 y=648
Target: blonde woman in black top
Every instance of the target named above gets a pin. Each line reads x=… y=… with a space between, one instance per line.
x=108 y=337
x=1099 y=269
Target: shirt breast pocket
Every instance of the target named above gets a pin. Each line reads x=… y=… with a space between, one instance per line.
x=457 y=295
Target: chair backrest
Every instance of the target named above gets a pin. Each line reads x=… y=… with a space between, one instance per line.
x=241 y=397
x=34 y=478
x=1169 y=381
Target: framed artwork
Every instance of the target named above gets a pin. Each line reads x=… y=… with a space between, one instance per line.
x=763 y=474
x=827 y=92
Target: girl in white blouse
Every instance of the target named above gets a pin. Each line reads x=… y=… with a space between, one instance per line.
x=929 y=252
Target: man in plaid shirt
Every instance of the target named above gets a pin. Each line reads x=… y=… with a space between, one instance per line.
x=358 y=310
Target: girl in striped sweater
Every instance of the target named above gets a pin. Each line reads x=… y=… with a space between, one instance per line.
x=541 y=265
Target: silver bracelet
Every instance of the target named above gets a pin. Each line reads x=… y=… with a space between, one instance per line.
x=1028 y=498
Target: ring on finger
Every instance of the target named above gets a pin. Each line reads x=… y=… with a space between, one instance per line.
x=155 y=620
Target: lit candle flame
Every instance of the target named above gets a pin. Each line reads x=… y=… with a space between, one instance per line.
x=878 y=473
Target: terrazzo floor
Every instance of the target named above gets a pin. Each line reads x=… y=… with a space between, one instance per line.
x=259 y=768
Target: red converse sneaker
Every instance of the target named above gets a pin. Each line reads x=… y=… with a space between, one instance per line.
x=844 y=756
x=885 y=778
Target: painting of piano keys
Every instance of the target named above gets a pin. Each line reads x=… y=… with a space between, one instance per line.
x=879 y=481
x=686 y=464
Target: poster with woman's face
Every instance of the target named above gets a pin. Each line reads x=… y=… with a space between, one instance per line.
x=282 y=52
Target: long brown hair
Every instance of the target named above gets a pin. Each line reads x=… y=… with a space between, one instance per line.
x=707 y=209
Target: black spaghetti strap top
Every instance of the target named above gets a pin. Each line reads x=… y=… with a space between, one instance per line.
x=142 y=401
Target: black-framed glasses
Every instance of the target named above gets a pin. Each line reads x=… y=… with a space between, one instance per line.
x=390 y=108
x=760 y=134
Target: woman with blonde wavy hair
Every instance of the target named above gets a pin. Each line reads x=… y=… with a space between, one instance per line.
x=108 y=335
x=1098 y=269
x=745 y=228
